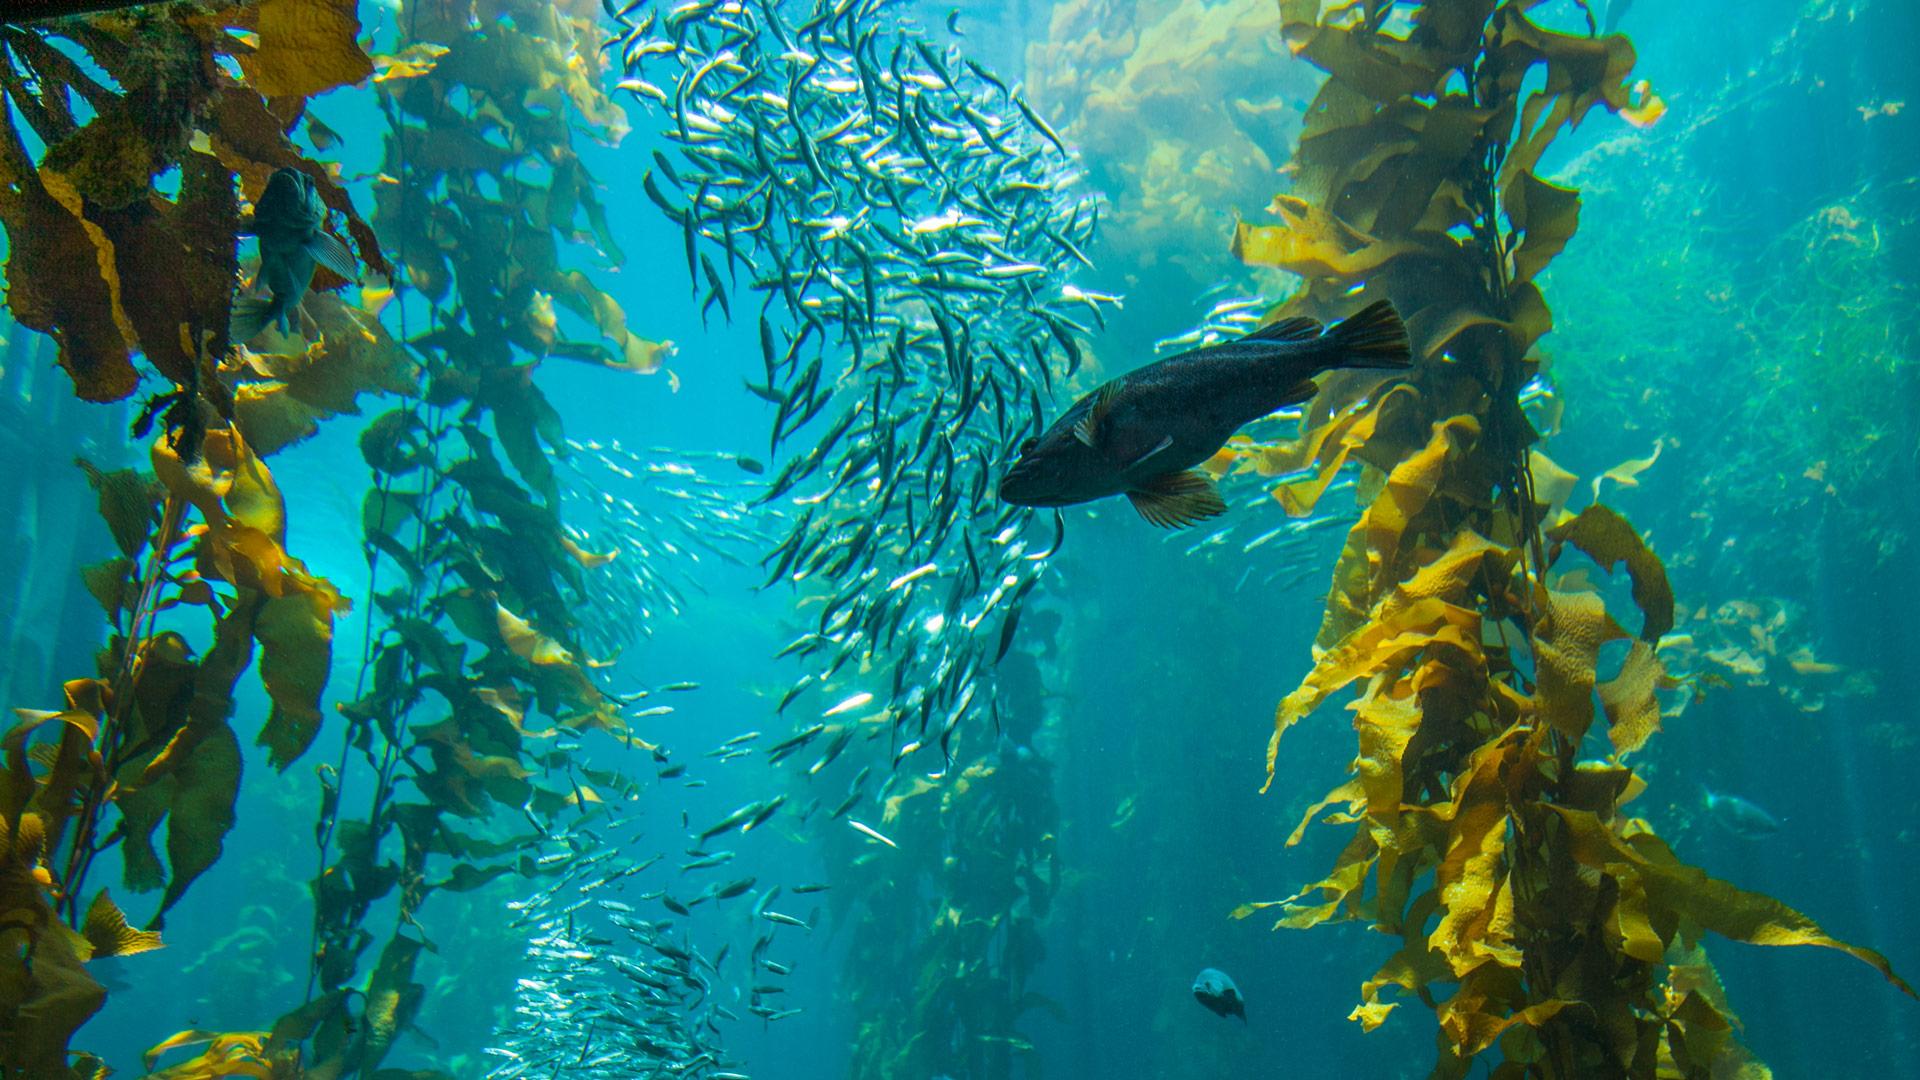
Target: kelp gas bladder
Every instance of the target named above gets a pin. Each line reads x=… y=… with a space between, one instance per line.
x=1566 y=928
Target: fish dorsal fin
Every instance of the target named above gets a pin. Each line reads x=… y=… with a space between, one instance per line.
x=1298 y=328
x=1088 y=429
x=1176 y=500
x=329 y=252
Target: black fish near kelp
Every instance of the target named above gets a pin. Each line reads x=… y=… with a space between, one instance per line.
x=1141 y=434
x=1216 y=990
x=290 y=223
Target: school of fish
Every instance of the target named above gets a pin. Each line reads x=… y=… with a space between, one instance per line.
x=899 y=225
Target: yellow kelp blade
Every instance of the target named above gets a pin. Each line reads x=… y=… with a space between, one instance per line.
x=1688 y=892
x=107 y=931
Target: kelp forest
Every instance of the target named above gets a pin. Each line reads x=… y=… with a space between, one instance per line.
x=427 y=659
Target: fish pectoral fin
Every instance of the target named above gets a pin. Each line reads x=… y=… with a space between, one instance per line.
x=1088 y=429
x=328 y=251
x=1176 y=500
x=1165 y=442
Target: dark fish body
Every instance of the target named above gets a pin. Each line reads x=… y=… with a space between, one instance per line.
x=1739 y=816
x=1216 y=990
x=290 y=223
x=1141 y=434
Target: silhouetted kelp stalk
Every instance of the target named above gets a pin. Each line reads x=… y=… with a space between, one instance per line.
x=479 y=114
x=1501 y=860
x=906 y=219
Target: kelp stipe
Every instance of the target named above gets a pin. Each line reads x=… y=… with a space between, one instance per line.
x=483 y=555
x=1566 y=929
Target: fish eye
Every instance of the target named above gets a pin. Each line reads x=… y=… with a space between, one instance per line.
x=1027 y=445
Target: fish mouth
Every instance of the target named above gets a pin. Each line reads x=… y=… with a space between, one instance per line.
x=1019 y=488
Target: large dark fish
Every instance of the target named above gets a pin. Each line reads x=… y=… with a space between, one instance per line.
x=1141 y=434
x=290 y=222
x=1215 y=989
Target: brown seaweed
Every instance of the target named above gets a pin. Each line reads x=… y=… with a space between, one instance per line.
x=1563 y=924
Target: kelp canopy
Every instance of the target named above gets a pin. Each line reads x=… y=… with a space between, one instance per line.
x=1500 y=857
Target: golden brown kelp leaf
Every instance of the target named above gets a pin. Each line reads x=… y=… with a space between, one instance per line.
x=205 y=787
x=45 y=991
x=1476 y=929
x=295 y=632
x=1686 y=892
x=107 y=931
x=1373 y=559
x=226 y=1055
x=246 y=519
x=128 y=503
x=51 y=290
x=306 y=47
x=170 y=265
x=1633 y=712
x=392 y=1000
x=1310 y=242
x=1581 y=72
x=1567 y=638
x=67 y=761
x=1545 y=216
x=1324 y=448
x=634 y=353
x=1381 y=645
x=1608 y=539
x=284 y=395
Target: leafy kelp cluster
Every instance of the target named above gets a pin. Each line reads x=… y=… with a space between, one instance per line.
x=1566 y=928
x=204 y=98
x=109 y=265
x=1179 y=110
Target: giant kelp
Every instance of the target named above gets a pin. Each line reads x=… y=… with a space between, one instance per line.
x=120 y=261
x=477 y=669
x=1565 y=928
x=1180 y=111
x=117 y=265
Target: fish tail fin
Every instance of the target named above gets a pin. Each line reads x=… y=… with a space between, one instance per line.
x=251 y=314
x=1373 y=337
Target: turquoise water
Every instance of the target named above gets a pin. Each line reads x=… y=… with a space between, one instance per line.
x=1739 y=300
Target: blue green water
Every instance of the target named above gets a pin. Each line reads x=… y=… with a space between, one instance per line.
x=1733 y=264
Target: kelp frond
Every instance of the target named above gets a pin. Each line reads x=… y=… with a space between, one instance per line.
x=1505 y=866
